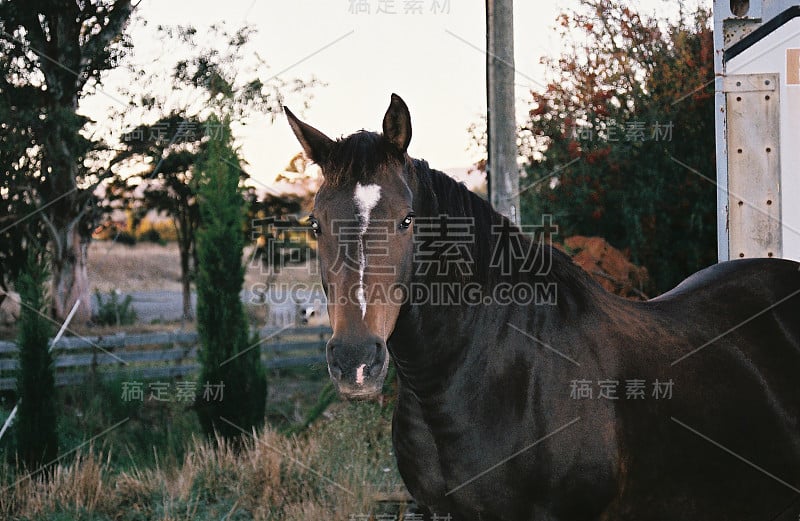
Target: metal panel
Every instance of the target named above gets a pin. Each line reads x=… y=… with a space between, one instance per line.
x=741 y=18
x=754 y=199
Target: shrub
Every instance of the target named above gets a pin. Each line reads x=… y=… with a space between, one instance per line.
x=112 y=311
x=164 y=227
x=37 y=440
x=152 y=235
x=125 y=238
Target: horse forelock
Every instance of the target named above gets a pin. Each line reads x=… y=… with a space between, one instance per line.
x=358 y=158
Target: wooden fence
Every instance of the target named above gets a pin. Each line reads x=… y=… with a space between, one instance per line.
x=161 y=355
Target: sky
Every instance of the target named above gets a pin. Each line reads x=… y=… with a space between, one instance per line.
x=430 y=52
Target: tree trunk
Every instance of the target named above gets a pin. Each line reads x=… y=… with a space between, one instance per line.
x=70 y=280
x=186 y=281
x=65 y=219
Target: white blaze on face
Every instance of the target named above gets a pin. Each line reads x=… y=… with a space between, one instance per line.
x=360 y=374
x=366 y=198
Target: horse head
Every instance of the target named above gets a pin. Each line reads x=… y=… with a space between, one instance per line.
x=363 y=219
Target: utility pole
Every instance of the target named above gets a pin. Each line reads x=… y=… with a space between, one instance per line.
x=502 y=170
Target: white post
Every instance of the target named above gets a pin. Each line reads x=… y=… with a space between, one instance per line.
x=502 y=168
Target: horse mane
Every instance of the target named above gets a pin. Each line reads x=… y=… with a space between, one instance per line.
x=454 y=199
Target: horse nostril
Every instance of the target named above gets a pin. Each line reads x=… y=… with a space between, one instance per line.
x=377 y=362
x=336 y=371
x=334 y=367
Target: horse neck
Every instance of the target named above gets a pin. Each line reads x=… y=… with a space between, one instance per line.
x=498 y=251
x=432 y=338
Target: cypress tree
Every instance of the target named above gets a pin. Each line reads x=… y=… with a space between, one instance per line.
x=37 y=439
x=233 y=377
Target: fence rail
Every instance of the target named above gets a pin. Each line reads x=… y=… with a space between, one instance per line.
x=162 y=354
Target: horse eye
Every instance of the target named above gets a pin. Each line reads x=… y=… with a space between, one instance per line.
x=407 y=221
x=315 y=226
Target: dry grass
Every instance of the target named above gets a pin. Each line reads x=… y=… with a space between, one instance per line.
x=152 y=267
x=9 y=333
x=332 y=473
x=144 y=267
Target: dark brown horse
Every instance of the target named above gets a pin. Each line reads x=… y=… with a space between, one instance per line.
x=528 y=392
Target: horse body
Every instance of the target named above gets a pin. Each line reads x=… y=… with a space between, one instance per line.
x=486 y=426
x=623 y=459
x=474 y=391
x=489 y=409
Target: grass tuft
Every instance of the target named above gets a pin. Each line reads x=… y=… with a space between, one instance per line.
x=331 y=471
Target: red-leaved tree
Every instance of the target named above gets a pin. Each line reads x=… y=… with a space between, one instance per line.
x=617 y=140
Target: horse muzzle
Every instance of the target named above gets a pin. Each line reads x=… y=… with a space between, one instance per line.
x=358 y=368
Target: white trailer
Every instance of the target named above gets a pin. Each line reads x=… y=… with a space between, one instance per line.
x=757 y=104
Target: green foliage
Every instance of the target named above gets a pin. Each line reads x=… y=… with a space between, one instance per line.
x=16 y=235
x=50 y=163
x=37 y=440
x=111 y=311
x=628 y=108
x=326 y=397
x=153 y=432
x=227 y=354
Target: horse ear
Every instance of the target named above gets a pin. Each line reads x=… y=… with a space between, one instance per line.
x=315 y=144
x=397 y=124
